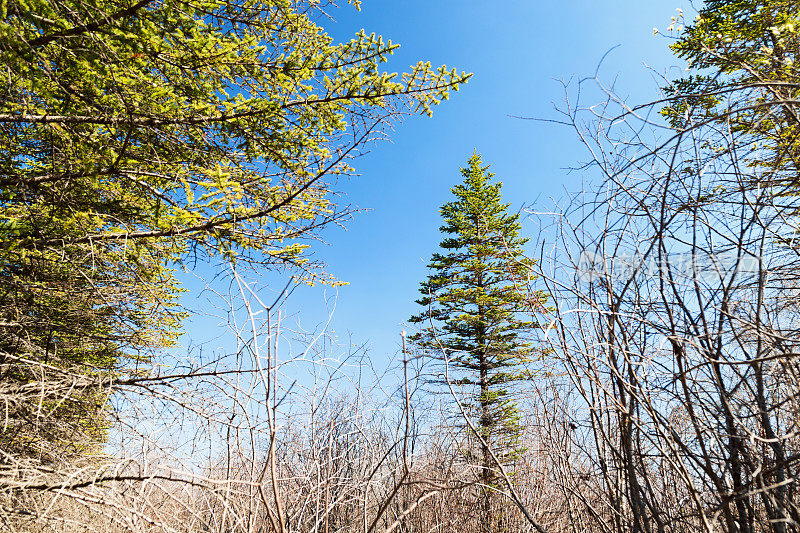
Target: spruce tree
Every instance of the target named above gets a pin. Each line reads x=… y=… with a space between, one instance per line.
x=477 y=314
x=138 y=136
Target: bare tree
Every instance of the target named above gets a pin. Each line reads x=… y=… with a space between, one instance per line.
x=675 y=285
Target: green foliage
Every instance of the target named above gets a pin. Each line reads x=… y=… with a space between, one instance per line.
x=743 y=58
x=475 y=301
x=207 y=122
x=137 y=134
x=743 y=40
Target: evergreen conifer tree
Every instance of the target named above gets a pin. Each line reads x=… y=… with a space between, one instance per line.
x=138 y=136
x=475 y=303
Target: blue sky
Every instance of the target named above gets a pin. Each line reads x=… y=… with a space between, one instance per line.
x=518 y=51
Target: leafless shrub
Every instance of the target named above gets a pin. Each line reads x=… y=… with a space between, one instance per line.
x=266 y=435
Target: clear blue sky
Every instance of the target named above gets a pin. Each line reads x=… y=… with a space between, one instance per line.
x=518 y=52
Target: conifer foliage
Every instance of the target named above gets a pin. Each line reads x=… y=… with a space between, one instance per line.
x=477 y=314
x=138 y=136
